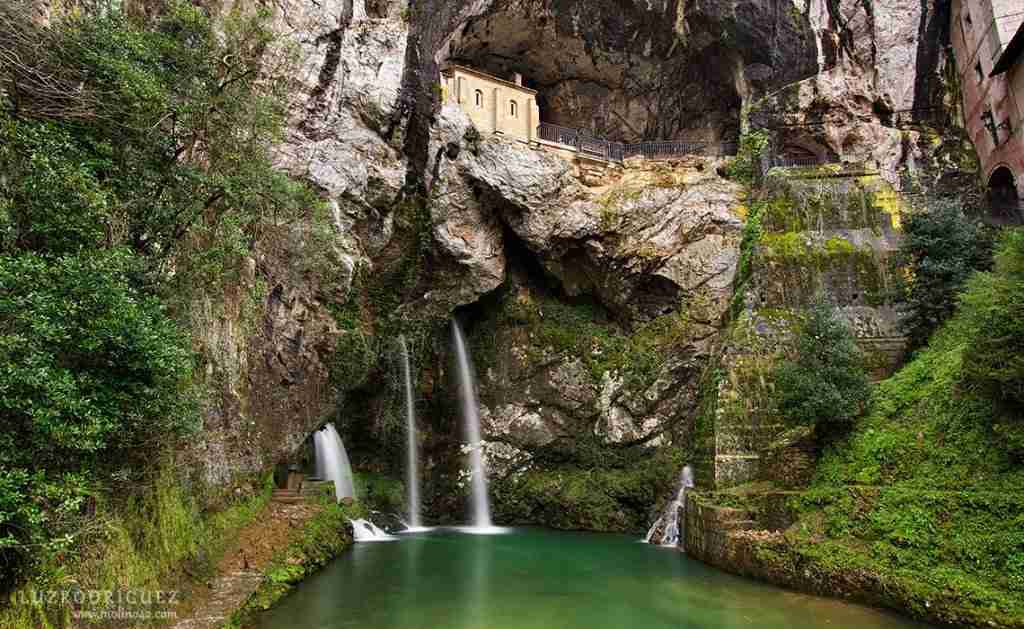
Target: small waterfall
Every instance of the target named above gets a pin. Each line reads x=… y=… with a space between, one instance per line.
x=332 y=461
x=470 y=415
x=412 y=478
x=366 y=531
x=668 y=525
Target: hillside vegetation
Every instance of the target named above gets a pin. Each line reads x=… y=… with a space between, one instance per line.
x=135 y=173
x=928 y=489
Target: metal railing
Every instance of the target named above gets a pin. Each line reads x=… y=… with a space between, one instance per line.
x=784 y=161
x=581 y=141
x=663 y=150
x=593 y=146
x=561 y=135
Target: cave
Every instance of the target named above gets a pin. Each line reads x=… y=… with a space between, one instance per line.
x=630 y=72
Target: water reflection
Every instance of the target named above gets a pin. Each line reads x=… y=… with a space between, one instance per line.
x=407 y=599
x=476 y=583
x=537 y=579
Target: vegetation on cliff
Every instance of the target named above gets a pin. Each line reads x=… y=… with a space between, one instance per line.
x=940 y=248
x=584 y=485
x=134 y=171
x=824 y=384
x=926 y=491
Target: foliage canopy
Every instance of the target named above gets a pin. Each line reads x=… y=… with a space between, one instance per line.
x=135 y=161
x=825 y=383
x=941 y=247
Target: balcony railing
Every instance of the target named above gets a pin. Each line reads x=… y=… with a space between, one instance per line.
x=784 y=161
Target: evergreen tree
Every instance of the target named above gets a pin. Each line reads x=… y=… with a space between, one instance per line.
x=941 y=248
x=824 y=383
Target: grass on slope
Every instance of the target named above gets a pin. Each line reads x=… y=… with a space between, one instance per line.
x=924 y=492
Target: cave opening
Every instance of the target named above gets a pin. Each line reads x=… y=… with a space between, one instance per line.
x=620 y=76
x=632 y=72
x=524 y=272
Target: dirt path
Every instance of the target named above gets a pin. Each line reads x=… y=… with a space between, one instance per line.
x=209 y=606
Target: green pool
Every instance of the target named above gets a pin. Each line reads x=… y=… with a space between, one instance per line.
x=541 y=579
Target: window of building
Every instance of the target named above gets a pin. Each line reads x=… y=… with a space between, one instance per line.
x=479 y=96
x=513 y=109
x=978 y=72
x=990 y=123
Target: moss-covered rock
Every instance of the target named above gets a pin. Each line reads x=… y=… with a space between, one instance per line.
x=597 y=490
x=323 y=538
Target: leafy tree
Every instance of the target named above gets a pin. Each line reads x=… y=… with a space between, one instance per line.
x=92 y=372
x=87 y=362
x=115 y=132
x=993 y=360
x=746 y=166
x=134 y=156
x=940 y=247
x=824 y=384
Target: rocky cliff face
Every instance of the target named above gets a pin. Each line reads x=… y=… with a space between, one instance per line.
x=576 y=277
x=653 y=246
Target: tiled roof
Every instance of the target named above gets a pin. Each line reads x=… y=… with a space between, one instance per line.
x=1011 y=54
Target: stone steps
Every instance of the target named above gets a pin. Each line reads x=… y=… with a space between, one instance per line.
x=287 y=496
x=317 y=487
x=310 y=488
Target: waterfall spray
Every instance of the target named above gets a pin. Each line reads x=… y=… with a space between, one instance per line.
x=332 y=461
x=412 y=478
x=481 y=516
x=668 y=525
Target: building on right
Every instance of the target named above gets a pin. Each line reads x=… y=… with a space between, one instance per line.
x=988 y=44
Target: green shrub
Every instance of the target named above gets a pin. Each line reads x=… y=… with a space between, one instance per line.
x=134 y=162
x=89 y=363
x=824 y=384
x=993 y=310
x=940 y=247
x=90 y=370
x=745 y=167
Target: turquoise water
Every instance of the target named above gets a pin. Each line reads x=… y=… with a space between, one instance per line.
x=536 y=578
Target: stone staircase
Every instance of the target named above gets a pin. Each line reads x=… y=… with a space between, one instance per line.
x=309 y=488
x=287 y=496
x=313 y=487
x=708 y=527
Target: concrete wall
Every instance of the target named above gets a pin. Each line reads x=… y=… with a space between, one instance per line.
x=494 y=105
x=1002 y=94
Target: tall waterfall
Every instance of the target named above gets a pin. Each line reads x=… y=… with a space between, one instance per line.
x=412 y=468
x=471 y=417
x=332 y=461
x=667 y=530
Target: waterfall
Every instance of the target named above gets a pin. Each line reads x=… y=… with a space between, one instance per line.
x=366 y=531
x=332 y=461
x=470 y=415
x=668 y=525
x=412 y=478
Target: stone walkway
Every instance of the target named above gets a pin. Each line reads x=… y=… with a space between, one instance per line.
x=241 y=569
x=230 y=591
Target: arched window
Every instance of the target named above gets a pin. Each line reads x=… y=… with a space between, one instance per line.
x=513 y=109
x=479 y=98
